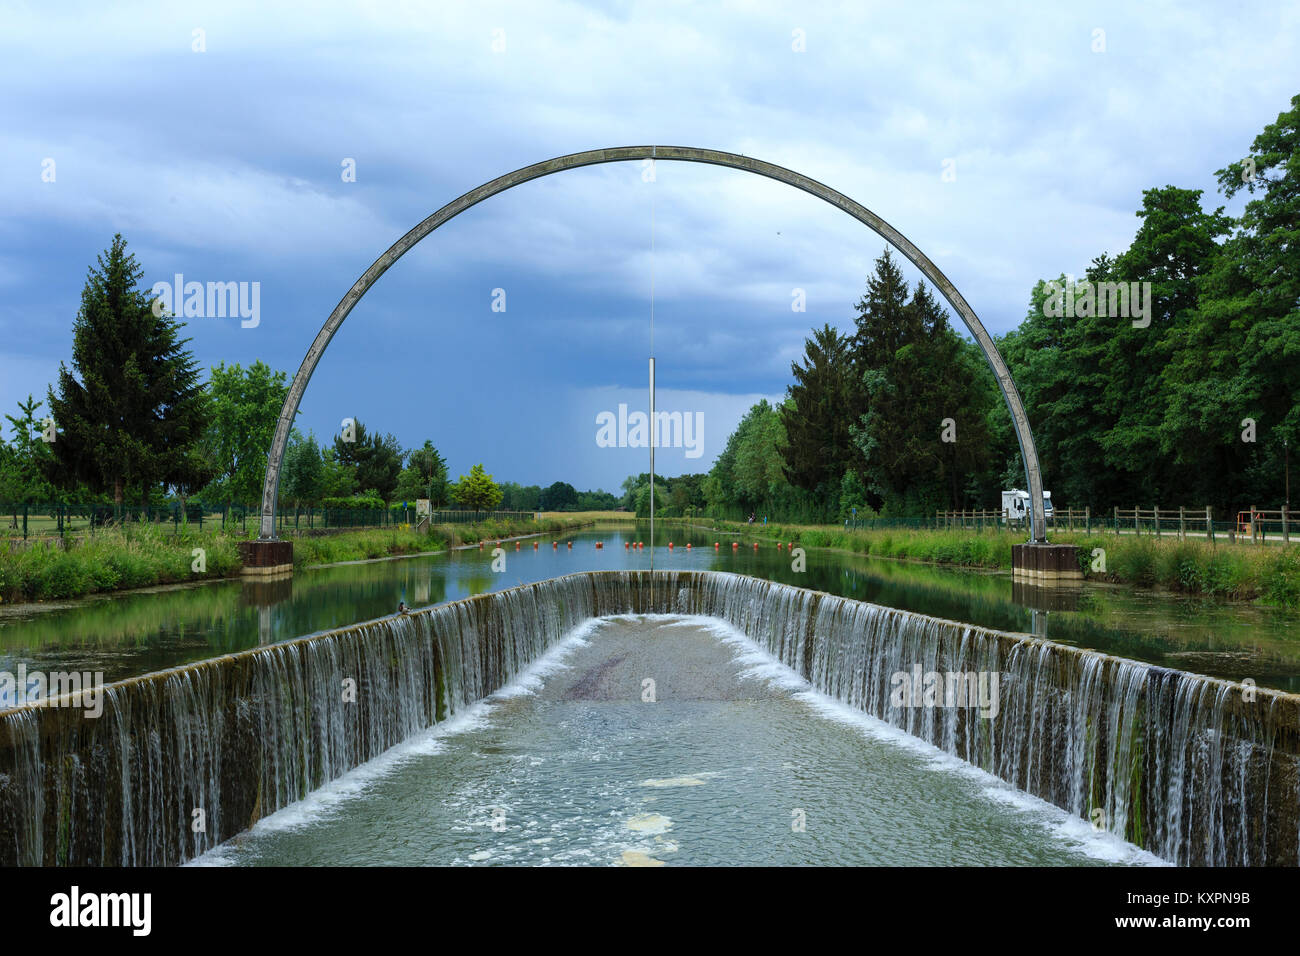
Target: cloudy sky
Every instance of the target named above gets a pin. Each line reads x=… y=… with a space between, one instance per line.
x=215 y=138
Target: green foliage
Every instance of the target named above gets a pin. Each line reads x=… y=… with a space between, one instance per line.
x=374 y=461
x=818 y=448
x=477 y=490
x=517 y=497
x=749 y=475
x=1282 y=587
x=560 y=496
x=425 y=476
x=663 y=500
x=245 y=405
x=111 y=561
x=363 y=502
x=302 y=479
x=338 y=480
x=25 y=462
x=920 y=384
x=131 y=408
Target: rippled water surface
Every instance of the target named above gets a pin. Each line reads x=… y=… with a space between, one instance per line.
x=667 y=741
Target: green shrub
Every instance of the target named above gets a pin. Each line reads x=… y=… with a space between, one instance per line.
x=1282 y=582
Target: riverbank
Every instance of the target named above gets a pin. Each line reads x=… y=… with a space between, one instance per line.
x=144 y=557
x=1222 y=570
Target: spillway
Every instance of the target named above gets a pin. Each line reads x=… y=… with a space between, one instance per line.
x=1196 y=770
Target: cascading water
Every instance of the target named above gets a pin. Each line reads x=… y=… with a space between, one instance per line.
x=1196 y=770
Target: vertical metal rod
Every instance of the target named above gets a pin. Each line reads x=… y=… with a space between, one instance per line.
x=654 y=440
x=654 y=431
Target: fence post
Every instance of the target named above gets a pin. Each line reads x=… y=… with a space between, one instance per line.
x=1209 y=524
x=1286 y=531
x=1252 y=525
x=24 y=522
x=1087 y=519
x=1182 y=523
x=1155 y=512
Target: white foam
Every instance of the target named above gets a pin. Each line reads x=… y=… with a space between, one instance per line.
x=327 y=799
x=1063 y=826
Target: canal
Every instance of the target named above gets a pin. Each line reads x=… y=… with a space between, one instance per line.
x=124 y=635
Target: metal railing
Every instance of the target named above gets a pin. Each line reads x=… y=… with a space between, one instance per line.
x=1059 y=519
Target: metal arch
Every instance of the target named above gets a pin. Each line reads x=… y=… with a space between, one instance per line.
x=1019 y=420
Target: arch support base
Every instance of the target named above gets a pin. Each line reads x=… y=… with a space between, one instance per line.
x=1045 y=564
x=262 y=557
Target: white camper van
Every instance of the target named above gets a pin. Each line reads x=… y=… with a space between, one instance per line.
x=1015 y=505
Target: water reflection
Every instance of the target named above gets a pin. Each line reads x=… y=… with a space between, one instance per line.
x=130 y=634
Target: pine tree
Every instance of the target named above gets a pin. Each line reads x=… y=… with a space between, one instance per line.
x=132 y=407
x=818 y=448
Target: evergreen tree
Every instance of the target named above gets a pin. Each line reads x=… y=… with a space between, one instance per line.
x=818 y=448
x=375 y=461
x=925 y=432
x=132 y=407
x=431 y=469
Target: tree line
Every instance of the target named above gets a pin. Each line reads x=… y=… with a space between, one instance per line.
x=1180 y=392
x=130 y=421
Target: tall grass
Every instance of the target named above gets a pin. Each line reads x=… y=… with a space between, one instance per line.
x=118 y=560
x=112 y=561
x=990 y=549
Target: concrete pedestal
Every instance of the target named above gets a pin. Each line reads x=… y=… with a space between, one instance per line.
x=262 y=558
x=1045 y=564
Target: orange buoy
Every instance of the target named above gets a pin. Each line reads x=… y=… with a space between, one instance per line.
x=516 y=545
x=790 y=545
x=688 y=546
x=778 y=546
x=735 y=545
x=715 y=546
x=600 y=544
x=555 y=544
x=534 y=545
x=670 y=545
x=570 y=545
x=627 y=544
x=755 y=545
x=480 y=545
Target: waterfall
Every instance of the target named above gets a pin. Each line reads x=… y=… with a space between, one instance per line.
x=1199 y=771
x=181 y=760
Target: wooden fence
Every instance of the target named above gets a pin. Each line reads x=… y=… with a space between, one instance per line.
x=1257 y=525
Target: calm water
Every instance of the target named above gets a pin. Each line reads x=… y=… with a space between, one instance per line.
x=733 y=762
x=125 y=635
